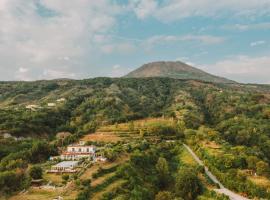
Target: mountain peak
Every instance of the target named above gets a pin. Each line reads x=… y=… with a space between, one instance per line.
x=177 y=70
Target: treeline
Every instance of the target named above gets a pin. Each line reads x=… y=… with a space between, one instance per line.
x=13 y=167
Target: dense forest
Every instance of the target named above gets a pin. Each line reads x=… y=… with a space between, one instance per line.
x=237 y=116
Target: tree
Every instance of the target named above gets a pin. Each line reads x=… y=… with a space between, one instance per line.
x=65 y=177
x=111 y=155
x=162 y=166
x=35 y=172
x=251 y=162
x=131 y=126
x=163 y=172
x=188 y=185
x=180 y=129
x=164 y=195
x=40 y=151
x=142 y=133
x=262 y=168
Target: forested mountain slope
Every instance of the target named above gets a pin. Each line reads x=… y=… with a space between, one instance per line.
x=105 y=100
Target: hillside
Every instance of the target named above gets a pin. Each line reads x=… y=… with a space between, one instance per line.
x=177 y=70
x=227 y=126
x=106 y=100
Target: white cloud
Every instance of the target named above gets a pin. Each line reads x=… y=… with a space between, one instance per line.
x=246 y=27
x=170 y=10
x=116 y=66
x=203 y=39
x=143 y=8
x=118 y=71
x=55 y=74
x=122 y=48
x=244 y=69
x=257 y=43
x=23 y=70
x=31 y=37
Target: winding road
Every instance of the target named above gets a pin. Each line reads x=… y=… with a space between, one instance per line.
x=222 y=190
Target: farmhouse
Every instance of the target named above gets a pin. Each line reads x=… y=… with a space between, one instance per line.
x=61 y=100
x=78 y=151
x=64 y=167
x=32 y=107
x=51 y=104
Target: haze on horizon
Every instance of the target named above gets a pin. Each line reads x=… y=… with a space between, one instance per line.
x=48 y=39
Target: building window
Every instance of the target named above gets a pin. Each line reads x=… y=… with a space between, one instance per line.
x=80 y=149
x=87 y=149
x=73 y=149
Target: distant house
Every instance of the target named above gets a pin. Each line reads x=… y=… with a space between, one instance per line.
x=101 y=159
x=7 y=135
x=77 y=151
x=61 y=100
x=51 y=104
x=32 y=107
x=64 y=167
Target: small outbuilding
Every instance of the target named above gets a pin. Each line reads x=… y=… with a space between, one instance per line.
x=64 y=167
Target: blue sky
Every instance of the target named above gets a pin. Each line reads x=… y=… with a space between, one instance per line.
x=47 y=39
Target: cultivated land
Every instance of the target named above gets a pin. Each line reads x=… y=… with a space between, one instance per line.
x=105 y=183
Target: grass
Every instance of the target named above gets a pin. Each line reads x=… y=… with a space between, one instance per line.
x=68 y=193
x=56 y=179
x=212 y=148
x=260 y=181
x=138 y=124
x=119 y=132
x=102 y=137
x=186 y=158
x=101 y=179
x=94 y=168
x=109 y=188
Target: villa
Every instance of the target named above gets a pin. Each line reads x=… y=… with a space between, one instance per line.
x=78 y=151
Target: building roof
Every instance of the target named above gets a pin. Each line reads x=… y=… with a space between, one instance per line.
x=83 y=146
x=76 y=153
x=66 y=164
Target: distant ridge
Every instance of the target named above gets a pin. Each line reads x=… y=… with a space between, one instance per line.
x=177 y=70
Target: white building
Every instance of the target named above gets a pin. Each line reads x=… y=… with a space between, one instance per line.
x=77 y=151
x=51 y=104
x=64 y=167
x=32 y=107
x=61 y=100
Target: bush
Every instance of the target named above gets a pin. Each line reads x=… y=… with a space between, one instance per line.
x=35 y=172
x=65 y=177
x=187 y=184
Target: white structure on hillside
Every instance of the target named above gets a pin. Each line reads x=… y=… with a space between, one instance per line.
x=61 y=100
x=64 y=167
x=78 y=151
x=51 y=104
x=32 y=107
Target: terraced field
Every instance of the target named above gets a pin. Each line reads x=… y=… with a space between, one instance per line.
x=102 y=176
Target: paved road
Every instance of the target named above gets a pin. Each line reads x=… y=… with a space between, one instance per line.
x=222 y=190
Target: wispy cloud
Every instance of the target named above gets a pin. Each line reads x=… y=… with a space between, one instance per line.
x=246 y=27
x=257 y=43
x=203 y=39
x=244 y=68
x=171 y=10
